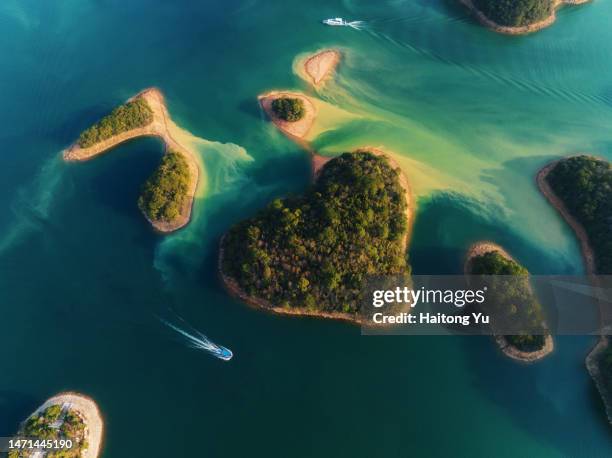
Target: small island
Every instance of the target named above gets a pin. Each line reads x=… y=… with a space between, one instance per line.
x=320 y=66
x=311 y=254
x=580 y=189
x=517 y=17
x=293 y=113
x=514 y=298
x=69 y=418
x=167 y=197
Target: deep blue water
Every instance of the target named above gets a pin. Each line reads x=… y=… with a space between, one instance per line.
x=470 y=115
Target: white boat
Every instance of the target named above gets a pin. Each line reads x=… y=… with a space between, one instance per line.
x=339 y=21
x=335 y=21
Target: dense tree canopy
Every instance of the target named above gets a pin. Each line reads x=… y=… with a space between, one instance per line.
x=512 y=297
x=165 y=192
x=585 y=185
x=605 y=367
x=54 y=424
x=136 y=113
x=315 y=251
x=515 y=13
x=288 y=108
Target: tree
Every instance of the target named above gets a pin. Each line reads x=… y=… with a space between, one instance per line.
x=289 y=109
x=585 y=185
x=515 y=13
x=321 y=246
x=166 y=191
x=134 y=114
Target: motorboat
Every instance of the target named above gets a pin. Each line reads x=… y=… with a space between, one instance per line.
x=223 y=353
x=338 y=21
x=335 y=21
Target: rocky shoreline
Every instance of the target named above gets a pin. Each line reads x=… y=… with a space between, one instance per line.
x=232 y=286
x=478 y=249
x=588 y=255
x=296 y=130
x=522 y=30
x=585 y=247
x=592 y=365
x=88 y=410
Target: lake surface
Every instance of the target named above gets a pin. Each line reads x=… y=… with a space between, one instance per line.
x=470 y=115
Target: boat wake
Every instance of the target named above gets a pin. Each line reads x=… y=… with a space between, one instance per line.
x=195 y=339
x=358 y=25
x=338 y=21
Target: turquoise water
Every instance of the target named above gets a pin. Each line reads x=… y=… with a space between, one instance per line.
x=470 y=116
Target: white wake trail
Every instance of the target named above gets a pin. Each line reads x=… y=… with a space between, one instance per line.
x=199 y=341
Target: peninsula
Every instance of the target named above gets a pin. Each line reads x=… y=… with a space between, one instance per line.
x=167 y=198
x=513 y=298
x=71 y=419
x=518 y=17
x=580 y=188
x=293 y=113
x=311 y=254
x=320 y=66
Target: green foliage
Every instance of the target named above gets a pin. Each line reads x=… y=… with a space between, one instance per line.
x=315 y=251
x=585 y=186
x=512 y=297
x=289 y=109
x=131 y=115
x=164 y=193
x=515 y=13
x=605 y=368
x=55 y=424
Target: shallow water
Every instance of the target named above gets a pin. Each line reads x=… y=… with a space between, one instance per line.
x=469 y=115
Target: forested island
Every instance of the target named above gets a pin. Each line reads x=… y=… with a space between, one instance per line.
x=132 y=115
x=167 y=196
x=584 y=185
x=513 y=299
x=290 y=109
x=70 y=424
x=517 y=16
x=166 y=193
x=293 y=113
x=310 y=254
x=580 y=188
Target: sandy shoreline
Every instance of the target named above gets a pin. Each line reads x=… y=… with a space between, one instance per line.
x=157 y=128
x=296 y=130
x=478 y=249
x=320 y=66
x=403 y=181
x=588 y=255
x=587 y=252
x=89 y=412
x=234 y=289
x=592 y=365
x=523 y=30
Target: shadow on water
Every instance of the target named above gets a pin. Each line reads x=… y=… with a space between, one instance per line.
x=545 y=397
x=116 y=178
x=69 y=130
x=15 y=407
x=447 y=223
x=251 y=107
x=265 y=181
